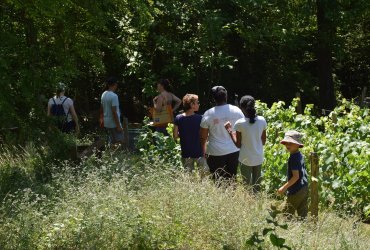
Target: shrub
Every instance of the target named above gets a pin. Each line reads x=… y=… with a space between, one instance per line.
x=154 y=208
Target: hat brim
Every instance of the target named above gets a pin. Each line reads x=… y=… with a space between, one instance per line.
x=290 y=140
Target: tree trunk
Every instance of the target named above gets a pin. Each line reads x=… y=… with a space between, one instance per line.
x=325 y=38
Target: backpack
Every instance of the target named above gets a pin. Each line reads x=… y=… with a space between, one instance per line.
x=57 y=110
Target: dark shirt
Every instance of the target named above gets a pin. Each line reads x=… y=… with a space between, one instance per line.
x=296 y=162
x=189 y=131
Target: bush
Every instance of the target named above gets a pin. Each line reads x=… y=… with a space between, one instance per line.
x=159 y=148
x=144 y=206
x=343 y=149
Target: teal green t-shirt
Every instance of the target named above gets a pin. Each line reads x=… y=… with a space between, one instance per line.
x=108 y=100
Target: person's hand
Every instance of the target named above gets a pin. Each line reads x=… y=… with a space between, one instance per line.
x=119 y=129
x=281 y=190
x=228 y=127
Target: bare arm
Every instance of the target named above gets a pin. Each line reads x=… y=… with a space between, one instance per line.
x=49 y=110
x=236 y=137
x=263 y=137
x=75 y=118
x=203 y=139
x=101 y=115
x=175 y=132
x=116 y=120
x=290 y=183
x=177 y=102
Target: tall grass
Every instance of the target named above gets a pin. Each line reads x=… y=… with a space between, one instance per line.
x=120 y=202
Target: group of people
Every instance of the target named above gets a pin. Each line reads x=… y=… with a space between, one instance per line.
x=227 y=137
x=224 y=138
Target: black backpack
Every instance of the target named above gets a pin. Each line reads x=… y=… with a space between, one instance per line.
x=57 y=111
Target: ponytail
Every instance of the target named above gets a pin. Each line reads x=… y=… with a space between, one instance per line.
x=247 y=104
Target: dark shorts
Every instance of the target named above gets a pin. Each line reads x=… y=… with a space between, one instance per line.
x=68 y=127
x=224 y=166
x=115 y=136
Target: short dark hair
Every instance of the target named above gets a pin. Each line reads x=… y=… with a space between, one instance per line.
x=111 y=81
x=219 y=94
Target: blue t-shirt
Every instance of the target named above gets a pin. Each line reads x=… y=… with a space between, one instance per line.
x=109 y=100
x=296 y=162
x=189 y=131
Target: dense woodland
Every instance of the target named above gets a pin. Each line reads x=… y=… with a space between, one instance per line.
x=270 y=49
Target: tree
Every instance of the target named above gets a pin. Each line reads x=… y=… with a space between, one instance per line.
x=325 y=37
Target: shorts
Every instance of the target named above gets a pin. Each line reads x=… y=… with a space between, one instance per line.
x=115 y=136
x=68 y=127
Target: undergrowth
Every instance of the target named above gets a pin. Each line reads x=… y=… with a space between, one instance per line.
x=124 y=202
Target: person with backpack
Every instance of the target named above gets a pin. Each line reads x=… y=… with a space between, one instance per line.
x=61 y=108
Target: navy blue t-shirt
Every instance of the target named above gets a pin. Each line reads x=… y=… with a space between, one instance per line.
x=189 y=131
x=296 y=162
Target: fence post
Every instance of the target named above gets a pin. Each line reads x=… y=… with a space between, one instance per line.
x=314 y=186
x=299 y=106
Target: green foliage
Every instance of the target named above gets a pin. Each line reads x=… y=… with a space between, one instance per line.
x=119 y=202
x=257 y=240
x=156 y=147
x=343 y=149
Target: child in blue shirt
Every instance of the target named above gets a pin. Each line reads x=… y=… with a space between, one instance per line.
x=297 y=185
x=187 y=127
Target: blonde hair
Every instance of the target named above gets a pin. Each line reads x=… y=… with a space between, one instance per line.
x=187 y=100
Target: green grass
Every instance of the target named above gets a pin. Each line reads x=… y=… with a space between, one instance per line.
x=120 y=202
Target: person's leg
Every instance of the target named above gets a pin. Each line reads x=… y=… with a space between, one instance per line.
x=246 y=172
x=202 y=166
x=302 y=208
x=188 y=164
x=288 y=208
x=231 y=168
x=216 y=166
x=256 y=178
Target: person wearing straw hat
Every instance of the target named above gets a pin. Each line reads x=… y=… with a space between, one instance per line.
x=297 y=185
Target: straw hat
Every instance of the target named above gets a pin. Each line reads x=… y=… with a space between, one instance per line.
x=293 y=137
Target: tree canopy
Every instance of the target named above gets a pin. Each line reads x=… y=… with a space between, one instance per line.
x=268 y=48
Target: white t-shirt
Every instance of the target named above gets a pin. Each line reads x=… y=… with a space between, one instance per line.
x=109 y=99
x=66 y=105
x=251 y=151
x=214 y=119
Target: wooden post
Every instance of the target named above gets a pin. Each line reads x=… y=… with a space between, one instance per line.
x=363 y=97
x=314 y=186
x=299 y=106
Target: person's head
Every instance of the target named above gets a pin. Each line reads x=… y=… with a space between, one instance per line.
x=190 y=102
x=164 y=85
x=247 y=104
x=112 y=83
x=60 y=89
x=292 y=141
x=219 y=94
